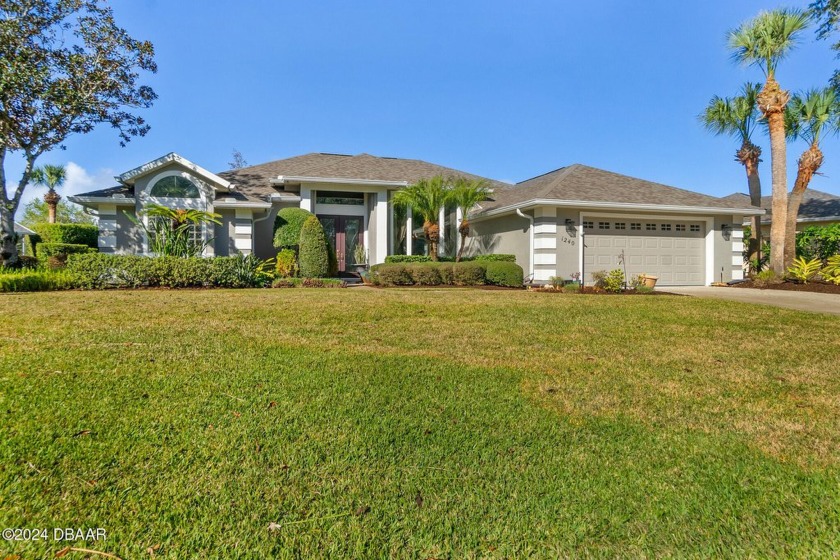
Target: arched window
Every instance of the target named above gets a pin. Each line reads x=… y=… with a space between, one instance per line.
x=175 y=186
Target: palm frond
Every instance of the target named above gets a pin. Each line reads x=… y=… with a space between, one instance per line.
x=736 y=116
x=812 y=114
x=766 y=39
x=467 y=193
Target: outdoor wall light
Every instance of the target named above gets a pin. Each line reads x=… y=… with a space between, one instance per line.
x=570 y=227
x=726 y=231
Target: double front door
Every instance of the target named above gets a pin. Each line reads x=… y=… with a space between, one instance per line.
x=344 y=233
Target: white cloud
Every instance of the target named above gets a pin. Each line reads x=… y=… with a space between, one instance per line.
x=78 y=181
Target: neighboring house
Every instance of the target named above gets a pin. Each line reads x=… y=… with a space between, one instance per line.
x=817 y=209
x=22 y=232
x=681 y=236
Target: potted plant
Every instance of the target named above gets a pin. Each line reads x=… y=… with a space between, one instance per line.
x=361 y=257
x=648 y=281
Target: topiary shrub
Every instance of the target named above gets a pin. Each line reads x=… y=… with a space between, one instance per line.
x=288 y=225
x=313 y=256
x=74 y=234
x=287 y=265
x=333 y=261
x=407 y=258
x=504 y=273
x=36 y=281
x=495 y=258
x=468 y=274
x=390 y=274
x=424 y=274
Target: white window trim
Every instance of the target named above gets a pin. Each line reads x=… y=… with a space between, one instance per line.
x=202 y=203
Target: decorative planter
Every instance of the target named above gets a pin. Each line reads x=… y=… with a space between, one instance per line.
x=648 y=281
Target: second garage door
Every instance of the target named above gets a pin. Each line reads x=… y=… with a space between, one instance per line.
x=673 y=250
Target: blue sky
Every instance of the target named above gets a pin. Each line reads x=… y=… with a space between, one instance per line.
x=507 y=90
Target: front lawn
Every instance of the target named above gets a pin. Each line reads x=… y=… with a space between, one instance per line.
x=418 y=423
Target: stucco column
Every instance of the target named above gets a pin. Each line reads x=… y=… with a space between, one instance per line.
x=545 y=243
x=381 y=243
x=243 y=228
x=107 y=224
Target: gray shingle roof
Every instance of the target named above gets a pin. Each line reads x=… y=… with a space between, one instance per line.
x=587 y=184
x=815 y=205
x=255 y=180
x=126 y=190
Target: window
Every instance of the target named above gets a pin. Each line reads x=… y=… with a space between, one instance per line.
x=636 y=227
x=665 y=227
x=650 y=227
x=175 y=186
x=588 y=225
x=338 y=197
x=680 y=227
x=194 y=234
x=603 y=225
x=620 y=225
x=694 y=227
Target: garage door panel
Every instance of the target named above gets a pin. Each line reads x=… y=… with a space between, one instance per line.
x=675 y=254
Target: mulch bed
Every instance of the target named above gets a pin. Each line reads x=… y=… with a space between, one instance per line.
x=817 y=287
x=588 y=290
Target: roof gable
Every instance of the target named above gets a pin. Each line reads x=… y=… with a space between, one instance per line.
x=129 y=177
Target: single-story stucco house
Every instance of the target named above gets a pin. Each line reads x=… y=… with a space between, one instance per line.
x=572 y=220
x=817 y=209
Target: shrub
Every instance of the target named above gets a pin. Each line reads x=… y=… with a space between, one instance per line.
x=572 y=288
x=332 y=260
x=494 y=258
x=504 y=273
x=831 y=271
x=240 y=271
x=803 y=270
x=30 y=281
x=390 y=274
x=614 y=281
x=47 y=250
x=287 y=265
x=288 y=225
x=313 y=257
x=424 y=274
x=99 y=271
x=468 y=274
x=28 y=263
x=407 y=258
x=556 y=282
x=766 y=277
x=445 y=272
x=599 y=277
x=73 y=234
x=818 y=242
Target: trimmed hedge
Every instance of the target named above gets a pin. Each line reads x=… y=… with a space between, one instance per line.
x=287 y=265
x=500 y=273
x=99 y=271
x=407 y=259
x=36 y=281
x=494 y=258
x=288 y=225
x=47 y=250
x=73 y=234
x=313 y=255
x=426 y=258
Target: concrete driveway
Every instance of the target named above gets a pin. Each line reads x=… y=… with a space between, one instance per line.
x=802 y=301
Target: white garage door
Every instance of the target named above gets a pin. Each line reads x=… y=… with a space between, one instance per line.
x=673 y=250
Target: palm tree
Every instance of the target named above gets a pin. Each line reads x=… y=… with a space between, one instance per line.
x=426 y=197
x=465 y=195
x=764 y=42
x=738 y=117
x=170 y=231
x=52 y=177
x=809 y=116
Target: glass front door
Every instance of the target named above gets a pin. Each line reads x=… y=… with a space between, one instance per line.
x=344 y=233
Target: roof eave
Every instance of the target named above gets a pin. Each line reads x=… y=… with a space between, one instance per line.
x=587 y=204
x=129 y=177
x=86 y=200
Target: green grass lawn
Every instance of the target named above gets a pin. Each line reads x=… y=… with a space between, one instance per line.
x=418 y=423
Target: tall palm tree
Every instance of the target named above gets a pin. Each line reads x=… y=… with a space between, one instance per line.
x=764 y=41
x=465 y=195
x=809 y=116
x=426 y=197
x=738 y=117
x=52 y=177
